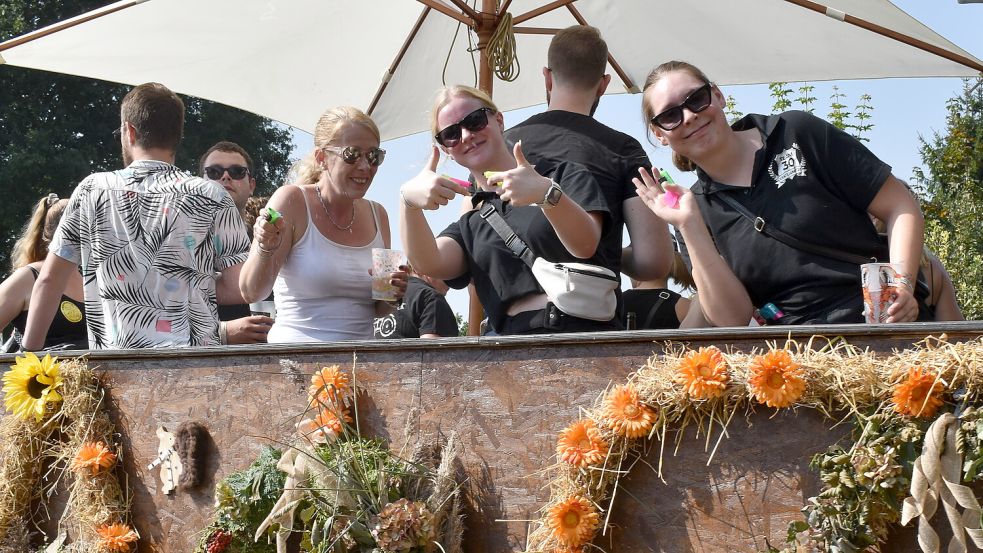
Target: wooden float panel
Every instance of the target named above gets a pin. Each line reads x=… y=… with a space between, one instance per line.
x=507 y=398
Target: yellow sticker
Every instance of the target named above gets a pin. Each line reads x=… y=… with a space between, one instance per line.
x=71 y=312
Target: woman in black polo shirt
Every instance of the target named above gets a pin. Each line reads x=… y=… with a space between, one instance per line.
x=560 y=217
x=794 y=172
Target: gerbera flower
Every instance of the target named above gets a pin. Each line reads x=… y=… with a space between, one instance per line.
x=116 y=538
x=626 y=414
x=580 y=444
x=703 y=373
x=329 y=385
x=324 y=428
x=94 y=456
x=775 y=379
x=31 y=384
x=573 y=521
x=919 y=395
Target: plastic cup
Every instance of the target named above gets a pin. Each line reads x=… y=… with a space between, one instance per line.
x=266 y=308
x=384 y=264
x=878 y=281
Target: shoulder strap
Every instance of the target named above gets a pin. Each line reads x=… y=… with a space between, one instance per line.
x=512 y=240
x=663 y=296
x=778 y=234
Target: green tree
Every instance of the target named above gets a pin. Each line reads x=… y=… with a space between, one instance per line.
x=863 y=116
x=951 y=186
x=462 y=324
x=730 y=109
x=781 y=93
x=838 y=114
x=55 y=129
x=806 y=99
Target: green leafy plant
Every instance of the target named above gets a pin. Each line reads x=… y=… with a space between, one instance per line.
x=806 y=99
x=838 y=115
x=781 y=93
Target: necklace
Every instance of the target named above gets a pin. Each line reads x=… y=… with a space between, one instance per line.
x=350 y=224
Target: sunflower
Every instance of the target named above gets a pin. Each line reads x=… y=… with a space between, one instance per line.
x=573 y=521
x=919 y=394
x=703 y=373
x=116 y=538
x=329 y=385
x=626 y=414
x=95 y=456
x=31 y=384
x=775 y=379
x=580 y=444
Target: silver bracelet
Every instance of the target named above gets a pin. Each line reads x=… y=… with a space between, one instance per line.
x=901 y=279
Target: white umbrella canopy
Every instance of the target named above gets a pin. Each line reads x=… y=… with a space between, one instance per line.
x=289 y=61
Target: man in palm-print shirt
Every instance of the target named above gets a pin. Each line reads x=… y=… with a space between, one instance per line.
x=150 y=240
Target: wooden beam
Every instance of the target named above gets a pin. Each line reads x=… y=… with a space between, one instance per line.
x=540 y=11
x=464 y=7
x=535 y=30
x=442 y=8
x=399 y=57
x=630 y=85
x=67 y=24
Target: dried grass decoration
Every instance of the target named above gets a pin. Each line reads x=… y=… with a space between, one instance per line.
x=864 y=480
x=343 y=492
x=60 y=421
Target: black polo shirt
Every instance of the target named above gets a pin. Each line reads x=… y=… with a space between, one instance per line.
x=814 y=182
x=500 y=277
x=423 y=311
x=612 y=157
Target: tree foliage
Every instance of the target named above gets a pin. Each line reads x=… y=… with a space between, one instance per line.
x=951 y=186
x=55 y=129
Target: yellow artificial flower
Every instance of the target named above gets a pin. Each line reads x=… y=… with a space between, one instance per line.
x=31 y=384
x=703 y=373
x=573 y=521
x=918 y=395
x=775 y=379
x=581 y=445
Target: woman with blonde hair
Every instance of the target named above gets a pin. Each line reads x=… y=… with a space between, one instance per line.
x=317 y=255
x=68 y=329
x=560 y=217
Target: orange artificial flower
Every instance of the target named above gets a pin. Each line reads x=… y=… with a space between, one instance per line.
x=918 y=395
x=95 y=456
x=329 y=421
x=703 y=373
x=580 y=444
x=573 y=521
x=116 y=538
x=329 y=385
x=775 y=379
x=626 y=414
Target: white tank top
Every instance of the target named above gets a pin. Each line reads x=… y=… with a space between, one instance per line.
x=324 y=292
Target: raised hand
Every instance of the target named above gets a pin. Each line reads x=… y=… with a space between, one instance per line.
x=267 y=235
x=655 y=197
x=523 y=185
x=428 y=190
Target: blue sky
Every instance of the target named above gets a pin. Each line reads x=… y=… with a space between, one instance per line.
x=904 y=110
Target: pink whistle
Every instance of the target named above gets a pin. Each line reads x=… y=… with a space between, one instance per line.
x=670 y=199
x=458 y=182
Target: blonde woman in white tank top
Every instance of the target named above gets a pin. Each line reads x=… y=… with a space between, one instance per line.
x=316 y=257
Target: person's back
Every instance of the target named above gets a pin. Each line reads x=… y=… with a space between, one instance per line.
x=424 y=313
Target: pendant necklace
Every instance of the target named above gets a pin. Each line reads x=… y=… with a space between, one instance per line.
x=347 y=227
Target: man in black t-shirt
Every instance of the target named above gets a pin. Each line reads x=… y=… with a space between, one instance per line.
x=424 y=312
x=567 y=131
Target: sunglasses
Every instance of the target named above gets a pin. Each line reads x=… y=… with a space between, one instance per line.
x=697 y=101
x=351 y=154
x=215 y=172
x=450 y=136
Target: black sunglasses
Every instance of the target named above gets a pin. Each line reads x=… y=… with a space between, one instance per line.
x=697 y=101
x=351 y=154
x=215 y=172
x=450 y=135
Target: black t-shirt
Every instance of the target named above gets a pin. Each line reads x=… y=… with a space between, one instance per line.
x=423 y=311
x=612 y=157
x=653 y=307
x=814 y=182
x=500 y=277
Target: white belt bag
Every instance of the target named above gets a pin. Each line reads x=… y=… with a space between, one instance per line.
x=578 y=289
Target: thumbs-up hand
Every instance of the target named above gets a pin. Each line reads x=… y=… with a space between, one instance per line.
x=428 y=190
x=523 y=185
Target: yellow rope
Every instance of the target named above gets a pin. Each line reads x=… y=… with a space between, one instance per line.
x=501 y=50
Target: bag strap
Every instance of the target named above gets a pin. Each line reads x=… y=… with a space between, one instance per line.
x=663 y=296
x=489 y=213
x=778 y=234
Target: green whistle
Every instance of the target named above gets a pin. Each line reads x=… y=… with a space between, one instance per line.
x=664 y=177
x=272 y=215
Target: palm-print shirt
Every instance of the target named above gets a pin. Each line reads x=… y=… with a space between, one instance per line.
x=150 y=239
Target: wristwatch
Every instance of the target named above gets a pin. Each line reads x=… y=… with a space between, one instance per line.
x=552 y=197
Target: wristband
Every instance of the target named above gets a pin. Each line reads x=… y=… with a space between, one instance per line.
x=407 y=203
x=901 y=279
x=223 y=333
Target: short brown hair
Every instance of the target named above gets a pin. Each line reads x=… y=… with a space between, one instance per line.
x=578 y=56
x=156 y=113
x=230 y=147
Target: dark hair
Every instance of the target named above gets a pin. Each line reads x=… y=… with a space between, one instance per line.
x=156 y=113
x=230 y=147
x=32 y=245
x=578 y=56
x=681 y=162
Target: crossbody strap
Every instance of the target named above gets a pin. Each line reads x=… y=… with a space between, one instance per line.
x=663 y=296
x=512 y=240
x=772 y=231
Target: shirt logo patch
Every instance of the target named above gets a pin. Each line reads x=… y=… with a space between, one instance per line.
x=787 y=165
x=71 y=312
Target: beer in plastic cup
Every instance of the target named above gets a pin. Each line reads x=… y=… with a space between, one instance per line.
x=879 y=282
x=266 y=308
x=384 y=264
